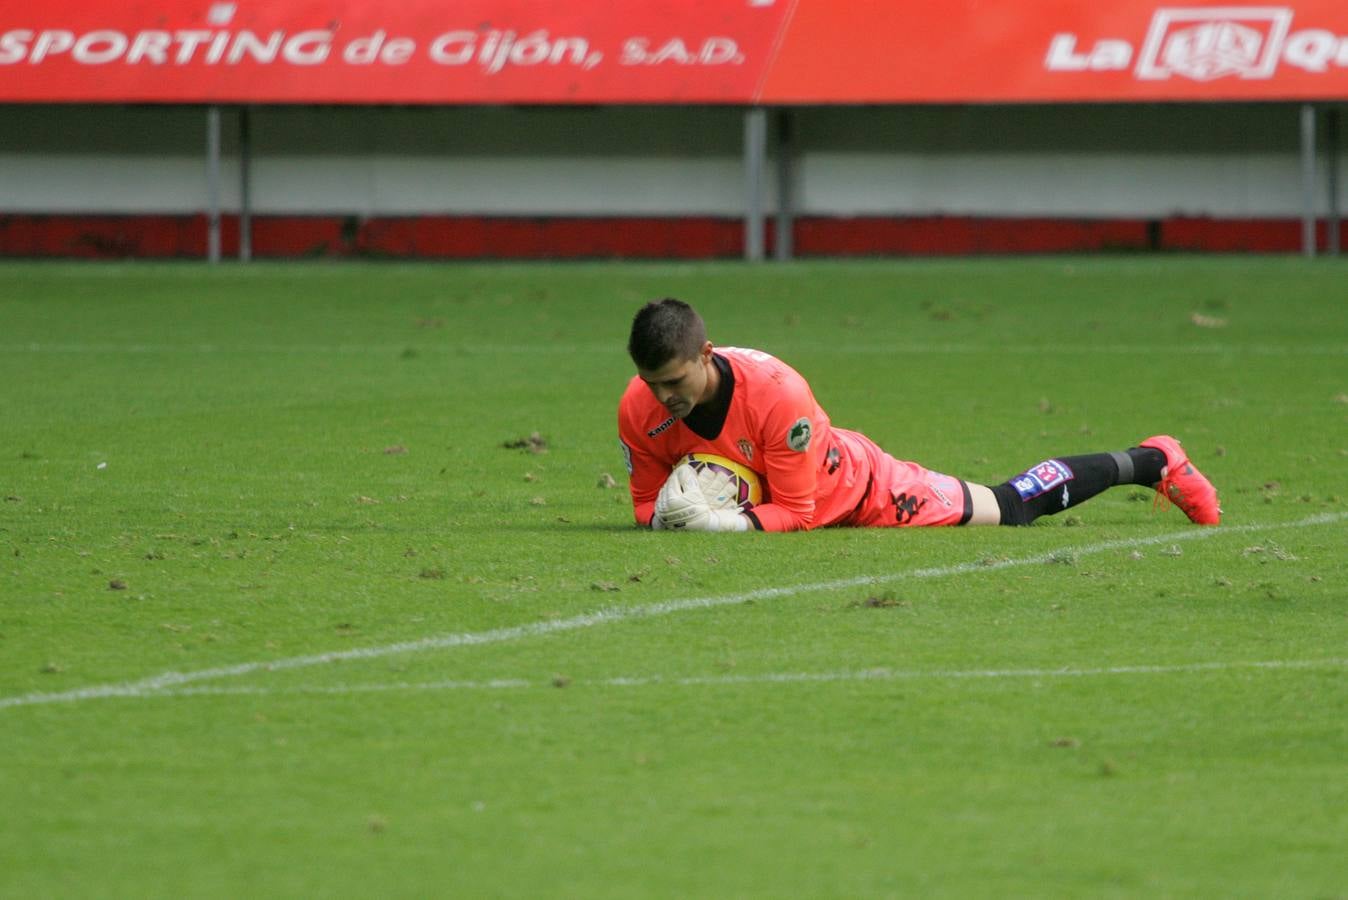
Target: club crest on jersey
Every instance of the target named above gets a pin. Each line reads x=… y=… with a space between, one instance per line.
x=798 y=435
x=746 y=449
x=1041 y=479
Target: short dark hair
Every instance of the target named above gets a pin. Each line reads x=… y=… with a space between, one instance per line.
x=664 y=330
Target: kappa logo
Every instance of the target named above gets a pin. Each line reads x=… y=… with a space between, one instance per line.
x=906 y=507
x=798 y=436
x=1206 y=43
x=655 y=432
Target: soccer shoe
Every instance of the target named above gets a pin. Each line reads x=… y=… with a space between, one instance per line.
x=1182 y=483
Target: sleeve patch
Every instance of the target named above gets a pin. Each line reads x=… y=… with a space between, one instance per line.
x=798 y=436
x=627 y=456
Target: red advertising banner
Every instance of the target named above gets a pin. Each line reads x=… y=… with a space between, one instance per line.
x=362 y=51
x=669 y=51
x=962 y=51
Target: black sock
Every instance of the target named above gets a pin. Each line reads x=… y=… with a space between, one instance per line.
x=1147 y=465
x=1062 y=483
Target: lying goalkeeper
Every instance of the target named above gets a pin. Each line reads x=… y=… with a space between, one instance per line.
x=754 y=409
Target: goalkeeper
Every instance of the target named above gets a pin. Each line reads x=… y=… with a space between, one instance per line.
x=750 y=407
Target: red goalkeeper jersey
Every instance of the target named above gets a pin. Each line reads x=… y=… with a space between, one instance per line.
x=764 y=417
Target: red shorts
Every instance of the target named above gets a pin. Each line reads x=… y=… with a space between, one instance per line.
x=904 y=493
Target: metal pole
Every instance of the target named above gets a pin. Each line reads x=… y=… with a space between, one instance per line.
x=213 y=184
x=1332 y=154
x=755 y=147
x=1308 y=180
x=245 y=186
x=783 y=247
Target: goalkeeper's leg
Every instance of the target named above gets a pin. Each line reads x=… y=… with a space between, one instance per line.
x=1062 y=483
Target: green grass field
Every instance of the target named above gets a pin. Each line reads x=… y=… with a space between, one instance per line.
x=282 y=615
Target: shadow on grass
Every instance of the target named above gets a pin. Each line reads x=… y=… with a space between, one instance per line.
x=556 y=527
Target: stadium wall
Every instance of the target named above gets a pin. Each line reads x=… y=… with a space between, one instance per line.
x=661 y=182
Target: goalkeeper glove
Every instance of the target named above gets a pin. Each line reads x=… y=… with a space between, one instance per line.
x=683 y=505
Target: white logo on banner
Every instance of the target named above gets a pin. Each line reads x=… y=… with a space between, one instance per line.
x=1204 y=44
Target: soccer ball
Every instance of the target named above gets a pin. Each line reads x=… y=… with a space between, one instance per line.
x=741 y=489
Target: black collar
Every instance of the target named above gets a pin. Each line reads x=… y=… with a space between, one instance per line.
x=707 y=419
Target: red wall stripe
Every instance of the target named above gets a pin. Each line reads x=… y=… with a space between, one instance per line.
x=485 y=237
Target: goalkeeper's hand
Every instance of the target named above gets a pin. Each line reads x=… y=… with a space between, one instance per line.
x=683 y=505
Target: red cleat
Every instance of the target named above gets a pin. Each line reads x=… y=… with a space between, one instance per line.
x=1182 y=483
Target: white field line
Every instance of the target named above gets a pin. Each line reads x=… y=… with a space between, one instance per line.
x=170 y=680
x=476 y=351
x=873 y=674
